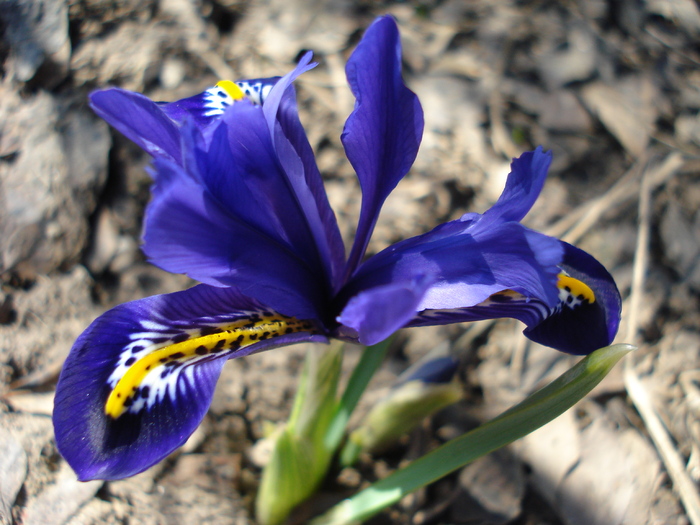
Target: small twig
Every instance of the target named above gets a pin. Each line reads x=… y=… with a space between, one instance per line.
x=638 y=393
x=669 y=455
x=578 y=222
x=641 y=258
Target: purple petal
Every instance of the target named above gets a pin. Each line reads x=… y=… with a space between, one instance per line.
x=139 y=119
x=468 y=264
x=579 y=326
x=382 y=135
x=525 y=181
x=207 y=107
x=374 y=314
x=187 y=230
x=297 y=159
x=278 y=195
x=184 y=338
x=586 y=316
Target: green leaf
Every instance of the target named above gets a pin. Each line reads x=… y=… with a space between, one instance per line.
x=535 y=411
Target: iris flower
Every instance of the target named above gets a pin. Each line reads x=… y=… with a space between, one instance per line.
x=238 y=204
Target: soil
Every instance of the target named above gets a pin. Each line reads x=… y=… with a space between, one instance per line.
x=611 y=87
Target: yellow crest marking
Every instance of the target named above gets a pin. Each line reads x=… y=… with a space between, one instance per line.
x=231 y=89
x=235 y=335
x=575 y=287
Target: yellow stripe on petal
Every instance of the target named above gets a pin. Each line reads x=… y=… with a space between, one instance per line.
x=231 y=89
x=574 y=291
x=202 y=343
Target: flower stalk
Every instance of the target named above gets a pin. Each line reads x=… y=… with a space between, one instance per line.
x=300 y=457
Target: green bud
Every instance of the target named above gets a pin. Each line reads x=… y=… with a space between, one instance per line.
x=398 y=413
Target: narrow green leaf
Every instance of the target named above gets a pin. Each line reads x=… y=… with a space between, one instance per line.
x=535 y=411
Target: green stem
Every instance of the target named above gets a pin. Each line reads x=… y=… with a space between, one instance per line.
x=535 y=411
x=371 y=360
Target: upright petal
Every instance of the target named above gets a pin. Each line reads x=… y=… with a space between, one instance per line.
x=139 y=380
x=382 y=135
x=524 y=184
x=187 y=229
x=139 y=119
x=297 y=159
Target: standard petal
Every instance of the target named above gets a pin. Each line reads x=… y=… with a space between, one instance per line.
x=524 y=184
x=297 y=159
x=374 y=314
x=382 y=135
x=187 y=230
x=139 y=119
x=139 y=380
x=585 y=317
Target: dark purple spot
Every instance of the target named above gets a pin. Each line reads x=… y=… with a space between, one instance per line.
x=136 y=349
x=201 y=350
x=176 y=355
x=209 y=330
x=289 y=330
x=130 y=361
x=145 y=391
x=179 y=338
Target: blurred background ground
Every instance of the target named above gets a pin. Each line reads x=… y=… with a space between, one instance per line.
x=611 y=87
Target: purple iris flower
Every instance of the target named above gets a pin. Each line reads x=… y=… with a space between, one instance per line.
x=239 y=205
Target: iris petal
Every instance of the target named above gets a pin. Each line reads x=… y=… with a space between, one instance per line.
x=382 y=135
x=524 y=184
x=297 y=159
x=139 y=119
x=188 y=231
x=585 y=317
x=139 y=380
x=468 y=264
x=374 y=314
x=580 y=325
